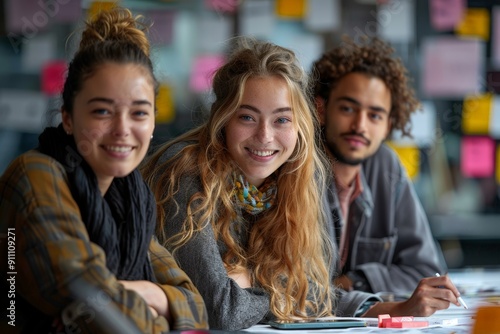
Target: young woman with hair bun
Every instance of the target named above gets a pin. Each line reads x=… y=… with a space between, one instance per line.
x=82 y=217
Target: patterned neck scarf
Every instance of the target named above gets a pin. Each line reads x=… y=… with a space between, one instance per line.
x=252 y=199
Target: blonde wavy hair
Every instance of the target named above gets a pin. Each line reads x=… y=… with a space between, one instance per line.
x=288 y=247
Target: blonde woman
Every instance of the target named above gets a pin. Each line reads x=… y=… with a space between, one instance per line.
x=238 y=196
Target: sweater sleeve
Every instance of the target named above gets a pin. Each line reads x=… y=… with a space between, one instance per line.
x=54 y=258
x=185 y=302
x=349 y=303
x=229 y=306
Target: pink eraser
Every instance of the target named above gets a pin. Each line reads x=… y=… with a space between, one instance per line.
x=408 y=324
x=381 y=317
x=385 y=322
x=401 y=319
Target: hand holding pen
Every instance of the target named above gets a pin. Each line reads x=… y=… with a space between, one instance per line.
x=459 y=298
x=430 y=295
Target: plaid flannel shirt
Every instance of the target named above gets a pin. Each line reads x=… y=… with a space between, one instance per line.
x=53 y=250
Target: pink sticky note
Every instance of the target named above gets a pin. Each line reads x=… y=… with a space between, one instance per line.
x=53 y=75
x=228 y=6
x=161 y=31
x=446 y=14
x=203 y=71
x=453 y=67
x=477 y=156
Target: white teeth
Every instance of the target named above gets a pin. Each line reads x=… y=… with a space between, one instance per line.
x=262 y=153
x=120 y=149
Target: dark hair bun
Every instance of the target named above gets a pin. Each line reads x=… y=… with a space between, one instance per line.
x=117 y=24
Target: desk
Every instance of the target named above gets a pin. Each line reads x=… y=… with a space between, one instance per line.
x=461 y=318
x=459 y=329
x=479 y=287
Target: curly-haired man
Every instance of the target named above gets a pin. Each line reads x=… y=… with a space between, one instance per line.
x=362 y=92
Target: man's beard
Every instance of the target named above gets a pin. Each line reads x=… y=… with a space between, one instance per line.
x=335 y=151
x=342 y=158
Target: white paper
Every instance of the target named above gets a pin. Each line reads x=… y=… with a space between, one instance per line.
x=213 y=32
x=37 y=51
x=396 y=20
x=323 y=15
x=307 y=47
x=257 y=18
x=423 y=127
x=23 y=110
x=495 y=118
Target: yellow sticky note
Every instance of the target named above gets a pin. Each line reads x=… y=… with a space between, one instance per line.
x=409 y=157
x=165 y=105
x=476 y=22
x=291 y=8
x=99 y=6
x=476 y=114
x=498 y=165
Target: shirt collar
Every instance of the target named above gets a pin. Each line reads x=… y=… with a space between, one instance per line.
x=353 y=190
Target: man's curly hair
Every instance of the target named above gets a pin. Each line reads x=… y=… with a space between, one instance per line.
x=375 y=58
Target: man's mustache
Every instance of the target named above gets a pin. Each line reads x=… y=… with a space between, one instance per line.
x=356 y=134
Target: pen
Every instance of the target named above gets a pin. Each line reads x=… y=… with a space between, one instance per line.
x=460 y=300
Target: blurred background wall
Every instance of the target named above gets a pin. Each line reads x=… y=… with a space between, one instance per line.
x=451 y=48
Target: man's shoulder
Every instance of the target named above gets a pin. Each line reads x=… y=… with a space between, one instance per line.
x=385 y=157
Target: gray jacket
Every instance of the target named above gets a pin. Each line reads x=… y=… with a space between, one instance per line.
x=229 y=306
x=390 y=242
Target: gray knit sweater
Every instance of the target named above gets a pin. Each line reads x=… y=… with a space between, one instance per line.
x=229 y=306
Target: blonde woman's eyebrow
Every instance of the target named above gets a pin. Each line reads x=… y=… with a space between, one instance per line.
x=257 y=110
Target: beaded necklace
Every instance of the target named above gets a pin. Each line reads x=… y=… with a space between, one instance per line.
x=252 y=199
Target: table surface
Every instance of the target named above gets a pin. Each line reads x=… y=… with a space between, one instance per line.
x=479 y=287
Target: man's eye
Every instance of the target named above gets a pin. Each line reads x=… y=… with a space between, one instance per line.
x=346 y=108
